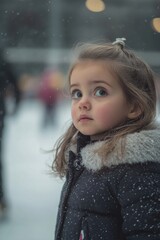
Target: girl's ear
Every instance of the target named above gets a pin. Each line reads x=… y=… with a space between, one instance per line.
x=134 y=112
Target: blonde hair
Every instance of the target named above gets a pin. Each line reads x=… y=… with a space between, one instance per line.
x=137 y=81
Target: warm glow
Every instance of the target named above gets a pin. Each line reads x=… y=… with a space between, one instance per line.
x=156 y=24
x=95 y=5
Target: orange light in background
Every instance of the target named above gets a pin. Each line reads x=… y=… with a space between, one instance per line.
x=156 y=24
x=95 y=5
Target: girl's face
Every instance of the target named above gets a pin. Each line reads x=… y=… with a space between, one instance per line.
x=98 y=101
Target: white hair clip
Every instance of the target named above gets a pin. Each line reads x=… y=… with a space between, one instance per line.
x=119 y=41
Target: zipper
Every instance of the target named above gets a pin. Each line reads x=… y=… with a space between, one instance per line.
x=74 y=171
x=84 y=233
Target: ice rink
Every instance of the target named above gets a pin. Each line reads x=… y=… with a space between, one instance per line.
x=32 y=192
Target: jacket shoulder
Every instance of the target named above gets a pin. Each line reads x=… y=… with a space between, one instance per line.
x=140 y=147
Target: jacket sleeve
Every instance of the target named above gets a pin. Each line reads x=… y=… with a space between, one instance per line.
x=139 y=197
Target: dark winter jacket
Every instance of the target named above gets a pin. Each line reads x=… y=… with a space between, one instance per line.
x=116 y=199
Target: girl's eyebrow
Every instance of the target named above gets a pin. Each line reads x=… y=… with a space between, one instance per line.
x=92 y=82
x=74 y=85
x=101 y=81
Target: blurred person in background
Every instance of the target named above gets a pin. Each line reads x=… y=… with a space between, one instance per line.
x=8 y=85
x=48 y=93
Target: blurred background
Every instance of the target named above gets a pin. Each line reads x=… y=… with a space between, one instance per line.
x=36 y=42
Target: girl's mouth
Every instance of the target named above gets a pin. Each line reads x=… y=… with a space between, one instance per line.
x=84 y=118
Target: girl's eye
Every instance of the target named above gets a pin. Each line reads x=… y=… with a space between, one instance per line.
x=101 y=92
x=76 y=94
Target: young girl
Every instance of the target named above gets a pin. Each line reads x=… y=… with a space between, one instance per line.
x=110 y=154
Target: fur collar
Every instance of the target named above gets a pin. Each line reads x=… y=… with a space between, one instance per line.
x=140 y=147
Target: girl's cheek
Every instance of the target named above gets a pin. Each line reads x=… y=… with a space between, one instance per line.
x=73 y=112
x=105 y=115
x=103 y=112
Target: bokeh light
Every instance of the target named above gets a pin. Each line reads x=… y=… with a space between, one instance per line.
x=156 y=24
x=95 y=5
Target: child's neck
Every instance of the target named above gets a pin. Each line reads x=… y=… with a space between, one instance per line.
x=99 y=136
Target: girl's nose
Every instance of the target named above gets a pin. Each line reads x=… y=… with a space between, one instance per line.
x=84 y=104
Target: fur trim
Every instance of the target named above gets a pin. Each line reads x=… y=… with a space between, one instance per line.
x=139 y=148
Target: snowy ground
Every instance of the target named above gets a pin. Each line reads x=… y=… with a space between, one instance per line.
x=32 y=192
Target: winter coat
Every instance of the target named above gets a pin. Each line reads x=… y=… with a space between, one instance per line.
x=116 y=199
